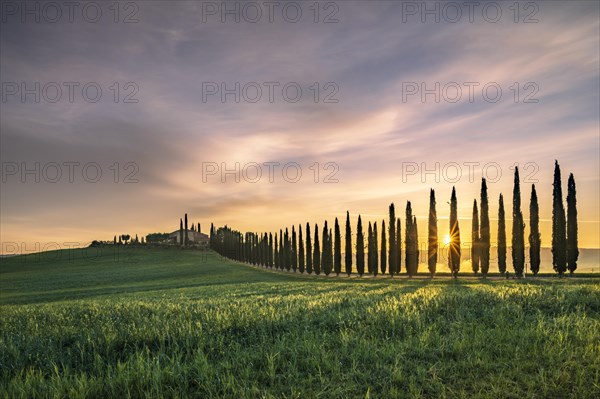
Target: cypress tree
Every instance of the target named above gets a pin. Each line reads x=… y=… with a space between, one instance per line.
x=559 y=228
x=454 y=247
x=501 y=236
x=416 y=243
x=300 y=250
x=270 y=250
x=518 y=230
x=276 y=253
x=484 y=230
x=115 y=240
x=186 y=231
x=432 y=248
x=180 y=232
x=392 y=241
x=326 y=246
x=375 y=248
x=348 y=249
x=475 y=239
x=534 y=232
x=309 y=264
x=330 y=251
x=288 y=251
x=294 y=250
x=398 y=249
x=317 y=252
x=572 y=244
x=337 y=257
x=408 y=241
x=282 y=256
x=370 y=249
x=360 y=248
x=383 y=254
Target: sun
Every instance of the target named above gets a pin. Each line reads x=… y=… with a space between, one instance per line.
x=447 y=239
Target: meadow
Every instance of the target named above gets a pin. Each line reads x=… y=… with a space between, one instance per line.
x=181 y=323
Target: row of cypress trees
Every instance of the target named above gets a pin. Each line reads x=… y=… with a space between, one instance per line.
x=307 y=253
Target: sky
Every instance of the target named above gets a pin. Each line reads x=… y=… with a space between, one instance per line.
x=343 y=106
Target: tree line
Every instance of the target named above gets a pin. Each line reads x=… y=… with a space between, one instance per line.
x=291 y=249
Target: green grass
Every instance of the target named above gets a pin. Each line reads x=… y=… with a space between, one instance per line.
x=170 y=323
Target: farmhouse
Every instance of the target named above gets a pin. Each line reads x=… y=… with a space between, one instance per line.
x=194 y=237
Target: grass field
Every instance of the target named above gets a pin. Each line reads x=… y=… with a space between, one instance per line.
x=171 y=323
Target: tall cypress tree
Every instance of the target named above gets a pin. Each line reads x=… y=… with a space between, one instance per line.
x=180 y=232
x=348 y=248
x=309 y=264
x=360 y=248
x=337 y=257
x=432 y=248
x=484 y=230
x=370 y=249
x=294 y=251
x=415 y=232
x=534 y=232
x=572 y=244
x=270 y=250
x=392 y=240
x=282 y=257
x=300 y=250
x=383 y=254
x=518 y=231
x=475 y=239
x=559 y=225
x=185 y=237
x=330 y=251
x=317 y=252
x=277 y=260
x=326 y=246
x=501 y=236
x=398 y=250
x=408 y=241
x=454 y=246
x=375 y=248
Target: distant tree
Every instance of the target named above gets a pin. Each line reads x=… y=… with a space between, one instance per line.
x=518 y=230
x=415 y=232
x=559 y=226
x=282 y=257
x=370 y=251
x=432 y=248
x=348 y=248
x=120 y=240
x=288 y=251
x=325 y=261
x=211 y=238
x=572 y=244
x=300 y=250
x=408 y=241
x=375 y=248
x=398 y=249
x=475 y=239
x=277 y=260
x=115 y=240
x=317 y=252
x=360 y=248
x=309 y=263
x=501 y=236
x=337 y=256
x=199 y=230
x=180 y=231
x=393 y=247
x=484 y=231
x=270 y=250
x=186 y=239
x=137 y=241
x=294 y=251
x=330 y=251
x=534 y=232
x=383 y=253
x=454 y=246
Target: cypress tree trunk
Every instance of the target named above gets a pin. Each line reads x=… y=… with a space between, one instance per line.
x=484 y=232
x=360 y=248
x=559 y=228
x=383 y=254
x=309 y=264
x=454 y=246
x=348 y=249
x=337 y=258
x=534 y=233
x=475 y=239
x=294 y=250
x=501 y=237
x=375 y=248
x=572 y=244
x=392 y=239
x=317 y=252
x=518 y=233
x=432 y=248
x=300 y=250
x=408 y=238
